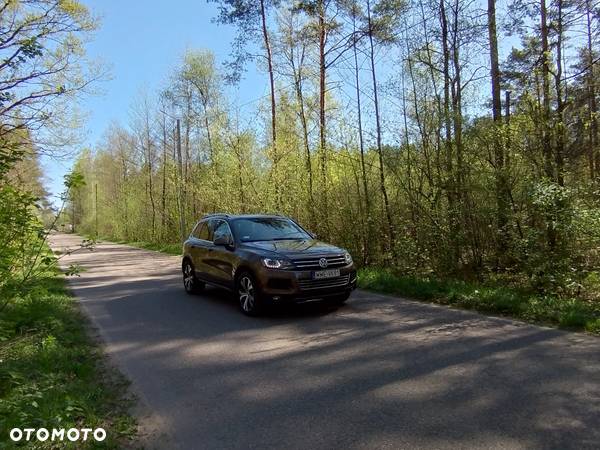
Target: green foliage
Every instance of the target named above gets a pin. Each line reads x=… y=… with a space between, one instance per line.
x=74 y=180
x=505 y=199
x=51 y=373
x=171 y=249
x=20 y=233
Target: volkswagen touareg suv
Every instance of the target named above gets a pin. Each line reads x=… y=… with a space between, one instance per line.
x=265 y=260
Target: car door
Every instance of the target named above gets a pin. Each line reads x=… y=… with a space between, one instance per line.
x=199 y=247
x=221 y=258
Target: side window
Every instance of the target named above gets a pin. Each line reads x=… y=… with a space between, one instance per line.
x=207 y=230
x=197 y=230
x=201 y=231
x=222 y=229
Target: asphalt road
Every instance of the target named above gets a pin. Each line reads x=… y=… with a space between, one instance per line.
x=380 y=372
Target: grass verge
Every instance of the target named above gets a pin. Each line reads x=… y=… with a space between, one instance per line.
x=574 y=314
x=52 y=373
x=170 y=249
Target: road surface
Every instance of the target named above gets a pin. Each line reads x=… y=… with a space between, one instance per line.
x=380 y=372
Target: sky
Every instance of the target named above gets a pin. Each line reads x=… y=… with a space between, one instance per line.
x=141 y=42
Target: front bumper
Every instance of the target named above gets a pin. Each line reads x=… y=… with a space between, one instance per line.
x=298 y=285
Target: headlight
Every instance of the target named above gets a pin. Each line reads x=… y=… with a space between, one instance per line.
x=348 y=258
x=275 y=263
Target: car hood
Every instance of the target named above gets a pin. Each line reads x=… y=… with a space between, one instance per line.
x=298 y=247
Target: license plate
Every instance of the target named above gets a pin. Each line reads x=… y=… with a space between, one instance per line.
x=330 y=273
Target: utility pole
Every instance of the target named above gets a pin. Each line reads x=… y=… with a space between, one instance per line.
x=507 y=107
x=96 y=206
x=180 y=162
x=507 y=119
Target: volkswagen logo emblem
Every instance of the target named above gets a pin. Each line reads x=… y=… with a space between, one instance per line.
x=323 y=262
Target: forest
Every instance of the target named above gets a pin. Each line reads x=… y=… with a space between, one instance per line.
x=447 y=139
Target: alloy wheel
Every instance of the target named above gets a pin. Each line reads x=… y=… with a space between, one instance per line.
x=188 y=277
x=246 y=294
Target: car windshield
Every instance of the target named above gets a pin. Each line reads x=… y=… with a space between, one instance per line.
x=267 y=229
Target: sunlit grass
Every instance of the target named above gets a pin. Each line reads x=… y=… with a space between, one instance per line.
x=171 y=249
x=52 y=374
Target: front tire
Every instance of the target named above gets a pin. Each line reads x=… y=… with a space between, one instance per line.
x=190 y=282
x=248 y=294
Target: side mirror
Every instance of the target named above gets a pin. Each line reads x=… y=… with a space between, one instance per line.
x=313 y=235
x=222 y=240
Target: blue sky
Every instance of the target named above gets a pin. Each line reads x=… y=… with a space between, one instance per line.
x=141 y=42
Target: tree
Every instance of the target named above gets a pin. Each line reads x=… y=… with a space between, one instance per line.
x=247 y=15
x=42 y=72
x=502 y=196
x=41 y=68
x=332 y=43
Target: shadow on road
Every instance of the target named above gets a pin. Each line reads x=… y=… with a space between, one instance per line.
x=379 y=372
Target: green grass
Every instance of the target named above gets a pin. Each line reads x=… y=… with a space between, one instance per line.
x=53 y=375
x=171 y=249
x=574 y=314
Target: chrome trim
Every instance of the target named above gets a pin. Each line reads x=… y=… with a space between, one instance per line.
x=313 y=262
x=306 y=285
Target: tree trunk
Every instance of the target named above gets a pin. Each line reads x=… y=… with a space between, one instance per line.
x=391 y=245
x=180 y=190
x=366 y=232
x=322 y=136
x=163 y=201
x=546 y=141
x=502 y=201
x=150 y=184
x=594 y=155
x=298 y=86
x=267 y=43
x=125 y=194
x=559 y=126
x=450 y=182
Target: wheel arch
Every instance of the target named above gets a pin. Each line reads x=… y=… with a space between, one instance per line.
x=185 y=259
x=240 y=270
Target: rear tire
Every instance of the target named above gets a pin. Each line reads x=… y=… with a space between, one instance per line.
x=191 y=283
x=248 y=294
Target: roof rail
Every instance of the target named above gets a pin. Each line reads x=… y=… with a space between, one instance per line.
x=215 y=215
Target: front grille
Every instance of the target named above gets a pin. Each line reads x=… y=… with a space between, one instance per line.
x=312 y=263
x=280 y=283
x=306 y=285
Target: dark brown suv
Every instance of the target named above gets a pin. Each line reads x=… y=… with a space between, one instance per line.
x=265 y=259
